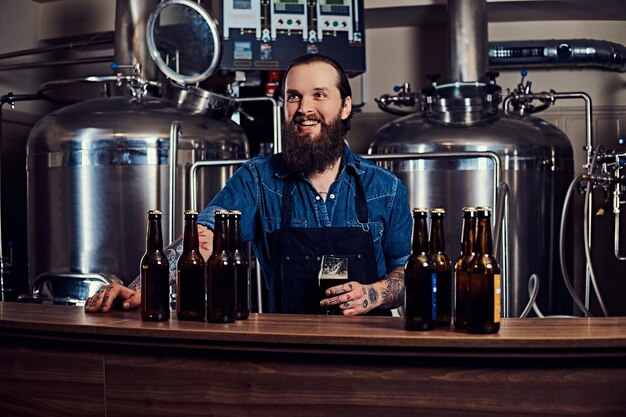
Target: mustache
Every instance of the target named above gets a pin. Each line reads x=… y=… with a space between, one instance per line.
x=300 y=117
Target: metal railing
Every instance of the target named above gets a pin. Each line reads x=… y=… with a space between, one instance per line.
x=500 y=200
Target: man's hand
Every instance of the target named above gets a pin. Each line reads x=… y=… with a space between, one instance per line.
x=103 y=300
x=354 y=298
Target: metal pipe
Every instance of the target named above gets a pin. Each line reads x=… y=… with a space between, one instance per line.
x=407 y=156
x=497 y=186
x=131 y=19
x=61 y=63
x=175 y=131
x=561 y=53
x=468 y=40
x=616 y=238
x=69 y=46
x=276 y=119
x=192 y=175
x=589 y=151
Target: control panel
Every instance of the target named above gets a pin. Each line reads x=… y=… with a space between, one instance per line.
x=268 y=34
x=289 y=16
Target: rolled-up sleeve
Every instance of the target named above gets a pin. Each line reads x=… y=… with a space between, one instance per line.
x=241 y=192
x=397 y=242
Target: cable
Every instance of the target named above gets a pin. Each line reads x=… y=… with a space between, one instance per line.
x=566 y=279
x=586 y=239
x=533 y=291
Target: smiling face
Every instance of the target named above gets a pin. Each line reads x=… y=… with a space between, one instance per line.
x=312 y=98
x=314 y=132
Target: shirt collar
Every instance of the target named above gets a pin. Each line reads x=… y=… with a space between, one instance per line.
x=348 y=160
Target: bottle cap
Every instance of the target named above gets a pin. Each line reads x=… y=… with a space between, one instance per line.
x=468 y=209
x=191 y=212
x=154 y=212
x=235 y=212
x=420 y=210
x=221 y=212
x=438 y=210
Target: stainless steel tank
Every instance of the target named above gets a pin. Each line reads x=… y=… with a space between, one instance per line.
x=537 y=166
x=96 y=167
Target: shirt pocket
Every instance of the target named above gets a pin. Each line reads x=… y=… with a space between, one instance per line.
x=376 y=229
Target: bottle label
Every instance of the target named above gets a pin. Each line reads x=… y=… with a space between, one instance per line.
x=434 y=295
x=497 y=295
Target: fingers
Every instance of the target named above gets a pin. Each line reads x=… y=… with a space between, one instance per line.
x=132 y=299
x=103 y=300
x=352 y=298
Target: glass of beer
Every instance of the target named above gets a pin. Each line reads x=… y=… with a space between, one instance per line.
x=333 y=272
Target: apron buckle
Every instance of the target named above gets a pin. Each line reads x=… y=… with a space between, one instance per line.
x=364 y=226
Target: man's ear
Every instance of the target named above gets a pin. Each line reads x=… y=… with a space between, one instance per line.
x=346 y=108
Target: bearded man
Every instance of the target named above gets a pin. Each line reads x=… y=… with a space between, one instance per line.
x=315 y=211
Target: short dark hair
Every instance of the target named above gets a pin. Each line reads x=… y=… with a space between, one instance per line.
x=342 y=79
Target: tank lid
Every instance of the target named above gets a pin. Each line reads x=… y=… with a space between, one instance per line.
x=183 y=40
x=463 y=104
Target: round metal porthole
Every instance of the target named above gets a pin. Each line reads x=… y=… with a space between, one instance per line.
x=184 y=41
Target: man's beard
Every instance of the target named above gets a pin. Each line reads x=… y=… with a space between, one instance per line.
x=306 y=154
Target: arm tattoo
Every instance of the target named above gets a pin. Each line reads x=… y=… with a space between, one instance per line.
x=393 y=290
x=172 y=253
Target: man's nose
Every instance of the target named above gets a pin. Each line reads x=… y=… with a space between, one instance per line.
x=307 y=105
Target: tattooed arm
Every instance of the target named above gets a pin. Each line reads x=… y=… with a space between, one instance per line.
x=130 y=296
x=172 y=253
x=355 y=298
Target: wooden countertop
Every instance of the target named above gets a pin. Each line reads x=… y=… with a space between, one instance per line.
x=277 y=332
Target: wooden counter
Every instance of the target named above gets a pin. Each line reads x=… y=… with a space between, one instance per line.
x=59 y=361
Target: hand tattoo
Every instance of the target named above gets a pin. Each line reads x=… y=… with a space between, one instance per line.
x=392 y=293
x=372 y=294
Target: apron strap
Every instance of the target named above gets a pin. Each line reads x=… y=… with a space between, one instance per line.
x=287 y=203
x=360 y=201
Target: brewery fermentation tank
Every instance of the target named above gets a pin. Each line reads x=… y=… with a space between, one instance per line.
x=537 y=165
x=95 y=168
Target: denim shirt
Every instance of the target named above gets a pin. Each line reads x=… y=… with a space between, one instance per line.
x=256 y=190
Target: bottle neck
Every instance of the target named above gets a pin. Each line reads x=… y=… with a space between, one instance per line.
x=469 y=229
x=234 y=234
x=437 y=237
x=220 y=236
x=420 y=235
x=484 y=245
x=154 y=241
x=191 y=241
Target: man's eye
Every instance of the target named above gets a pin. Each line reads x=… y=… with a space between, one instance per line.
x=320 y=95
x=292 y=98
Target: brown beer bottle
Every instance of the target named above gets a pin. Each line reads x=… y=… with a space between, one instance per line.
x=420 y=282
x=221 y=283
x=190 y=285
x=461 y=267
x=443 y=267
x=484 y=280
x=155 y=274
x=242 y=272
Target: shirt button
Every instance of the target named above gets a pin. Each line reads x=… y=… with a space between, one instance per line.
x=317 y=197
x=332 y=196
